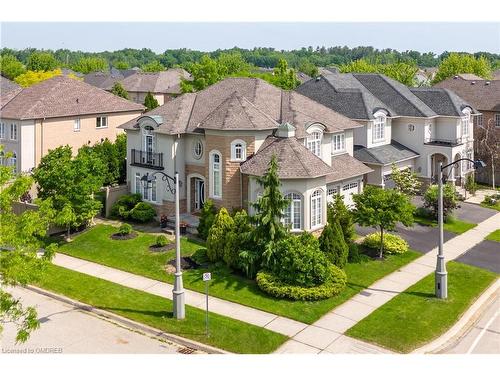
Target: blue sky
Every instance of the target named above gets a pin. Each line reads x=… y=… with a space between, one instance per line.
x=92 y=36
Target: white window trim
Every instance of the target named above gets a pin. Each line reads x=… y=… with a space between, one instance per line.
x=312 y=142
x=317 y=198
x=13 y=132
x=243 y=150
x=138 y=187
x=497 y=120
x=292 y=212
x=465 y=123
x=342 y=143
x=2 y=130
x=195 y=144
x=99 y=121
x=77 y=125
x=212 y=179
x=380 y=121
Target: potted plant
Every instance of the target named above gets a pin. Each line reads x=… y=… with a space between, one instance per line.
x=163 y=221
x=183 y=227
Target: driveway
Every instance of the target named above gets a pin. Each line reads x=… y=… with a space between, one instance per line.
x=470 y=212
x=420 y=238
x=65 y=329
x=486 y=255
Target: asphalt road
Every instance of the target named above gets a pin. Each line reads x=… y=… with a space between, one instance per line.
x=65 y=329
x=485 y=254
x=483 y=337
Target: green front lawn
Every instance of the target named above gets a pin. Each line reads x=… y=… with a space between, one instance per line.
x=495 y=206
x=494 y=236
x=415 y=317
x=133 y=256
x=451 y=225
x=225 y=333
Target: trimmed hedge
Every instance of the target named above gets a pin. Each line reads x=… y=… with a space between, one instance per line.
x=335 y=283
x=142 y=212
x=393 y=244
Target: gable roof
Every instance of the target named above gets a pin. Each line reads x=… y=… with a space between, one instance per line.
x=62 y=96
x=166 y=82
x=244 y=103
x=385 y=154
x=359 y=96
x=294 y=160
x=7 y=85
x=482 y=94
x=103 y=80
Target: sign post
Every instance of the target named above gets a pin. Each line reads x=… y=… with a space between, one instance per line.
x=207 y=276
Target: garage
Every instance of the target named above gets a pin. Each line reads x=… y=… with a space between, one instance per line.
x=348 y=190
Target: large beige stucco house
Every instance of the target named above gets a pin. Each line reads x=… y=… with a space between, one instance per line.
x=409 y=127
x=58 y=111
x=220 y=138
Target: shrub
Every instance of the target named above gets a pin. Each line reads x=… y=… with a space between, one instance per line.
x=218 y=235
x=237 y=240
x=299 y=261
x=207 y=217
x=333 y=285
x=354 y=255
x=491 y=200
x=161 y=240
x=332 y=243
x=337 y=210
x=449 y=200
x=200 y=256
x=142 y=212
x=393 y=244
x=125 y=229
x=122 y=207
x=470 y=185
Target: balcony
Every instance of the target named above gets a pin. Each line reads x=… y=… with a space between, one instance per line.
x=145 y=159
x=444 y=142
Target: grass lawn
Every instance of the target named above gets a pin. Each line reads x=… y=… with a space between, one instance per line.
x=451 y=225
x=416 y=317
x=133 y=256
x=225 y=333
x=496 y=206
x=494 y=236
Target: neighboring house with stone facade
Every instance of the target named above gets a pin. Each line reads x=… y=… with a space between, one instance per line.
x=484 y=95
x=56 y=112
x=406 y=126
x=219 y=138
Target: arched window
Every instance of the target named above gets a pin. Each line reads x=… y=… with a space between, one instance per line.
x=314 y=142
x=378 y=133
x=316 y=208
x=238 y=150
x=216 y=174
x=293 y=213
x=198 y=149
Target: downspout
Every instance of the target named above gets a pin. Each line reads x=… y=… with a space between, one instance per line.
x=41 y=138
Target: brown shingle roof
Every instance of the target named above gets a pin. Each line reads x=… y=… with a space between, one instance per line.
x=7 y=85
x=244 y=103
x=294 y=160
x=62 y=96
x=483 y=95
x=345 y=166
x=165 y=82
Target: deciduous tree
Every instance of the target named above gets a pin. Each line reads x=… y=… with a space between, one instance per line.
x=457 y=63
x=118 y=90
x=153 y=66
x=90 y=64
x=11 y=67
x=42 y=61
x=406 y=181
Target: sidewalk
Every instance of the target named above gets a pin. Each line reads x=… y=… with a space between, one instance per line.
x=326 y=334
x=246 y=314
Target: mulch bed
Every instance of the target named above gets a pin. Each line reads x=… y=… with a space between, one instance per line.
x=118 y=236
x=186 y=263
x=162 y=249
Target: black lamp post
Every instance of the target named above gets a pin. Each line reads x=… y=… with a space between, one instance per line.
x=441 y=279
x=178 y=291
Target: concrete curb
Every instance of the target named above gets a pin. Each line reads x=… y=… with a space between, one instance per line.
x=130 y=324
x=460 y=328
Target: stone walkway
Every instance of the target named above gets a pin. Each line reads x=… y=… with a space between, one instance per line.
x=325 y=335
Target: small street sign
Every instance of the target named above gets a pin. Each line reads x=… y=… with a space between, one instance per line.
x=207 y=276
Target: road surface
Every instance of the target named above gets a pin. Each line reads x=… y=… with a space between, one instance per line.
x=65 y=329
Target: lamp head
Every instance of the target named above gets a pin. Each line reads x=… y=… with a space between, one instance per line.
x=147 y=178
x=478 y=164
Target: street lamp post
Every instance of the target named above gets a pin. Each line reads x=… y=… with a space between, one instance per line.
x=179 y=310
x=441 y=276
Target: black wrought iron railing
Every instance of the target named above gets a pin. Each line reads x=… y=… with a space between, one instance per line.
x=444 y=142
x=153 y=160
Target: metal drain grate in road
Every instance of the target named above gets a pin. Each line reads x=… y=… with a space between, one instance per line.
x=186 y=350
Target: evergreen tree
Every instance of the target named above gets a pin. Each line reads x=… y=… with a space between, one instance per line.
x=118 y=90
x=218 y=235
x=337 y=211
x=150 y=102
x=207 y=217
x=238 y=240
x=332 y=243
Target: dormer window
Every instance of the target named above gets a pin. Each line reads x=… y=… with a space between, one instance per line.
x=314 y=142
x=338 y=143
x=378 y=133
x=238 y=150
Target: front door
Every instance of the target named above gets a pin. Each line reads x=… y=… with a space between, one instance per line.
x=199 y=194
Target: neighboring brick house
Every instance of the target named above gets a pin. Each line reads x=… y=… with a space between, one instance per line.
x=220 y=137
x=56 y=112
x=406 y=126
x=484 y=96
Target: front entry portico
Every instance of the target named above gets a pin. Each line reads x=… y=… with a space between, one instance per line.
x=195 y=192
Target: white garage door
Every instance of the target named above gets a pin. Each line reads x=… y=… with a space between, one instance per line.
x=348 y=190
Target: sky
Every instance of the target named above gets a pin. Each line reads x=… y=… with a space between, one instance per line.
x=95 y=37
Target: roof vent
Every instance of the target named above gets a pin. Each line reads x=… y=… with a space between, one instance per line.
x=473 y=83
x=455 y=77
x=318 y=78
x=487 y=83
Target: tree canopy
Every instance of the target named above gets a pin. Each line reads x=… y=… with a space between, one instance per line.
x=118 y=90
x=403 y=72
x=457 y=63
x=11 y=67
x=90 y=64
x=42 y=61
